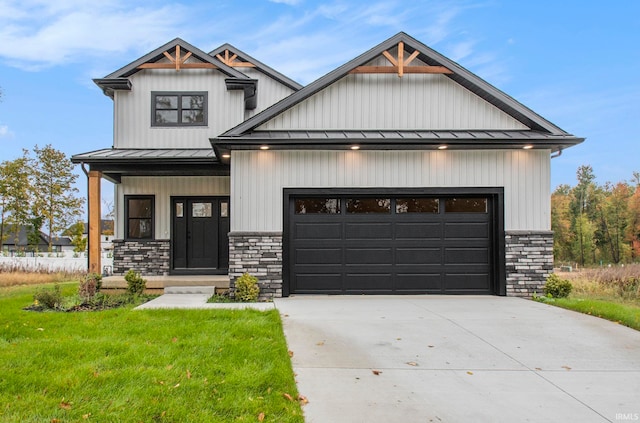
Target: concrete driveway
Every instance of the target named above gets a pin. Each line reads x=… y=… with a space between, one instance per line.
x=458 y=359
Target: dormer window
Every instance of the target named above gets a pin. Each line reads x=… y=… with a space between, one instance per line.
x=179 y=108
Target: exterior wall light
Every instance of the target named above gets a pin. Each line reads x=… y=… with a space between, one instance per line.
x=442 y=147
x=527 y=147
x=226 y=156
x=264 y=147
x=355 y=147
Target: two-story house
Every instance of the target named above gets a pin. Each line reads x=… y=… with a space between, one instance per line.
x=398 y=172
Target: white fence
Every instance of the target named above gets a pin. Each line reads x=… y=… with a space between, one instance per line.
x=51 y=264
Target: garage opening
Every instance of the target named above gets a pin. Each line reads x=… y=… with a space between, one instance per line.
x=392 y=242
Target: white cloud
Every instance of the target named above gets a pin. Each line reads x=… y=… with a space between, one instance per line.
x=37 y=34
x=4 y=131
x=303 y=42
x=461 y=50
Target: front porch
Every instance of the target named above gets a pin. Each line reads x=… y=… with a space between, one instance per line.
x=159 y=284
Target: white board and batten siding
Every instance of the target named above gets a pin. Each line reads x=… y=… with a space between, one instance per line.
x=163 y=188
x=257 y=201
x=385 y=101
x=132 y=109
x=269 y=91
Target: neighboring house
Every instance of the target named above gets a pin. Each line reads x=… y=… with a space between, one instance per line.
x=17 y=242
x=106 y=234
x=399 y=172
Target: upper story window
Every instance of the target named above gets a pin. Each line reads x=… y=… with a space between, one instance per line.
x=179 y=108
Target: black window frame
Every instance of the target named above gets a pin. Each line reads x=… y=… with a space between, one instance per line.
x=127 y=198
x=179 y=94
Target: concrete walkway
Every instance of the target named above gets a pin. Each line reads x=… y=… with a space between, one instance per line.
x=195 y=297
x=458 y=359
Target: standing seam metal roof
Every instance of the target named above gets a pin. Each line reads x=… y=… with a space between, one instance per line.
x=121 y=154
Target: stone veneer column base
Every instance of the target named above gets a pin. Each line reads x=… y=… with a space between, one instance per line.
x=260 y=255
x=149 y=258
x=528 y=261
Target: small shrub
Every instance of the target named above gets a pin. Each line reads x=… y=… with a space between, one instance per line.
x=557 y=287
x=49 y=298
x=628 y=287
x=220 y=298
x=247 y=289
x=135 y=283
x=89 y=287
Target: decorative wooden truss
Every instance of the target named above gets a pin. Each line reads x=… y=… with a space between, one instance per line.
x=177 y=62
x=231 y=61
x=400 y=65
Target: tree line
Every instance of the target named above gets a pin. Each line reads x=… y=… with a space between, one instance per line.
x=38 y=192
x=596 y=224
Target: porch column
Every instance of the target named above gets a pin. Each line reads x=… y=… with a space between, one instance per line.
x=94 y=221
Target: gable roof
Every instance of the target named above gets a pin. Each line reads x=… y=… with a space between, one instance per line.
x=158 y=54
x=245 y=133
x=118 y=80
x=106 y=227
x=258 y=65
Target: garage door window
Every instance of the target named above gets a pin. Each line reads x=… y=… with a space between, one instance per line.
x=465 y=205
x=417 y=205
x=317 y=206
x=369 y=205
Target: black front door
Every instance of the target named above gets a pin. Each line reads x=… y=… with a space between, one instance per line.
x=200 y=242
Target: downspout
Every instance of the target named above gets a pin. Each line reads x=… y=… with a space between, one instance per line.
x=558 y=154
x=86 y=172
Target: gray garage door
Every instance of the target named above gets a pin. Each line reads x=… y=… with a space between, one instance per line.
x=348 y=244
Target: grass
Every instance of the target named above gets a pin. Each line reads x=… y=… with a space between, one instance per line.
x=14 y=277
x=625 y=314
x=617 y=284
x=610 y=293
x=154 y=365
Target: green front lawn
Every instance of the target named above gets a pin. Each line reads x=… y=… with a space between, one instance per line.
x=625 y=314
x=142 y=366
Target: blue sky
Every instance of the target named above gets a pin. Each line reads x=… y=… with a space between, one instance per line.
x=574 y=62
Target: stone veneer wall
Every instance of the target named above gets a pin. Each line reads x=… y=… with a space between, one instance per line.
x=259 y=254
x=529 y=260
x=150 y=258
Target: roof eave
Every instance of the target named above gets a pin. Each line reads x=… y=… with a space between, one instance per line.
x=109 y=85
x=225 y=145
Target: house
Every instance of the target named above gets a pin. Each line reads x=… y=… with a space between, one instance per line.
x=106 y=234
x=399 y=172
x=16 y=241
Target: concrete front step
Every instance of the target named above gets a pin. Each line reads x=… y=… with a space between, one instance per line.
x=207 y=290
x=155 y=283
